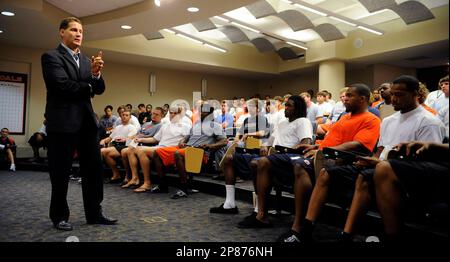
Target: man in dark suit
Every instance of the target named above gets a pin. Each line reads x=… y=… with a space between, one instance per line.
x=72 y=80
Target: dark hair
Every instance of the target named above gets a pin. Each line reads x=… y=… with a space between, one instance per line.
x=4 y=129
x=66 y=21
x=362 y=90
x=411 y=83
x=299 y=105
x=129 y=105
x=108 y=106
x=141 y=105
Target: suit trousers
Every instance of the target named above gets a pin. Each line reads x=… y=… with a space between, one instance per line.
x=61 y=148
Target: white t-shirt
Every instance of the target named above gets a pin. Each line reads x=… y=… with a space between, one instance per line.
x=432 y=97
x=171 y=134
x=416 y=125
x=241 y=119
x=289 y=134
x=338 y=109
x=134 y=121
x=123 y=131
x=312 y=112
x=325 y=108
x=440 y=102
x=443 y=116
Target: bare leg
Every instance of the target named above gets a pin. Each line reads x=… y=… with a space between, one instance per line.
x=133 y=162
x=109 y=154
x=359 y=206
x=302 y=191
x=263 y=184
x=145 y=156
x=388 y=196
x=318 y=196
x=10 y=156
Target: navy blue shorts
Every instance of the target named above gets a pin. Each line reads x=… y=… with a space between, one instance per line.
x=423 y=182
x=241 y=165
x=308 y=165
x=343 y=180
x=282 y=168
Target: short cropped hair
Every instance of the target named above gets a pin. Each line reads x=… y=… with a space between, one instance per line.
x=66 y=21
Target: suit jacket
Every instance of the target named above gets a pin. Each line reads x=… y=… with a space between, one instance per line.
x=69 y=91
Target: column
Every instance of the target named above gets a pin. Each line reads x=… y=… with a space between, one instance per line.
x=332 y=77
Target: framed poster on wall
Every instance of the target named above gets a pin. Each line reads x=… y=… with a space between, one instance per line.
x=13 y=95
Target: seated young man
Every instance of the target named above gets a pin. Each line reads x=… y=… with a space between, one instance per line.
x=356 y=131
x=169 y=135
x=205 y=134
x=38 y=140
x=420 y=179
x=256 y=125
x=292 y=132
x=415 y=122
x=118 y=139
x=129 y=160
x=8 y=147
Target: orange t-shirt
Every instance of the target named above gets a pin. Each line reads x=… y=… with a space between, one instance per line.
x=364 y=128
x=374 y=104
x=429 y=109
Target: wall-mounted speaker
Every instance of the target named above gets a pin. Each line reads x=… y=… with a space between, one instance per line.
x=152 y=84
x=204 y=87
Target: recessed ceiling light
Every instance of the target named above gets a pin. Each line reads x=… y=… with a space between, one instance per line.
x=6 y=13
x=126 y=27
x=157 y=2
x=1 y=31
x=193 y=9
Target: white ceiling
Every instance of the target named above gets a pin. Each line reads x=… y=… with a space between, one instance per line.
x=82 y=8
x=32 y=27
x=351 y=9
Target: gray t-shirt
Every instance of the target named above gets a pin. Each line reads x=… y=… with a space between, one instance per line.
x=312 y=112
x=149 y=129
x=254 y=124
x=205 y=132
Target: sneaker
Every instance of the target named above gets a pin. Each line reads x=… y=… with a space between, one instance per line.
x=290 y=236
x=192 y=191
x=222 y=210
x=179 y=194
x=252 y=222
x=12 y=168
x=157 y=189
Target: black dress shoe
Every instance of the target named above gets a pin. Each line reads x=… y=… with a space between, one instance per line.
x=63 y=225
x=103 y=220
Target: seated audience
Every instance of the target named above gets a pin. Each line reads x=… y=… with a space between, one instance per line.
x=169 y=135
x=292 y=133
x=119 y=137
x=240 y=164
x=38 y=140
x=108 y=120
x=436 y=99
x=423 y=93
x=8 y=148
x=134 y=121
x=225 y=119
x=356 y=131
x=129 y=159
x=421 y=178
x=205 y=134
x=416 y=124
